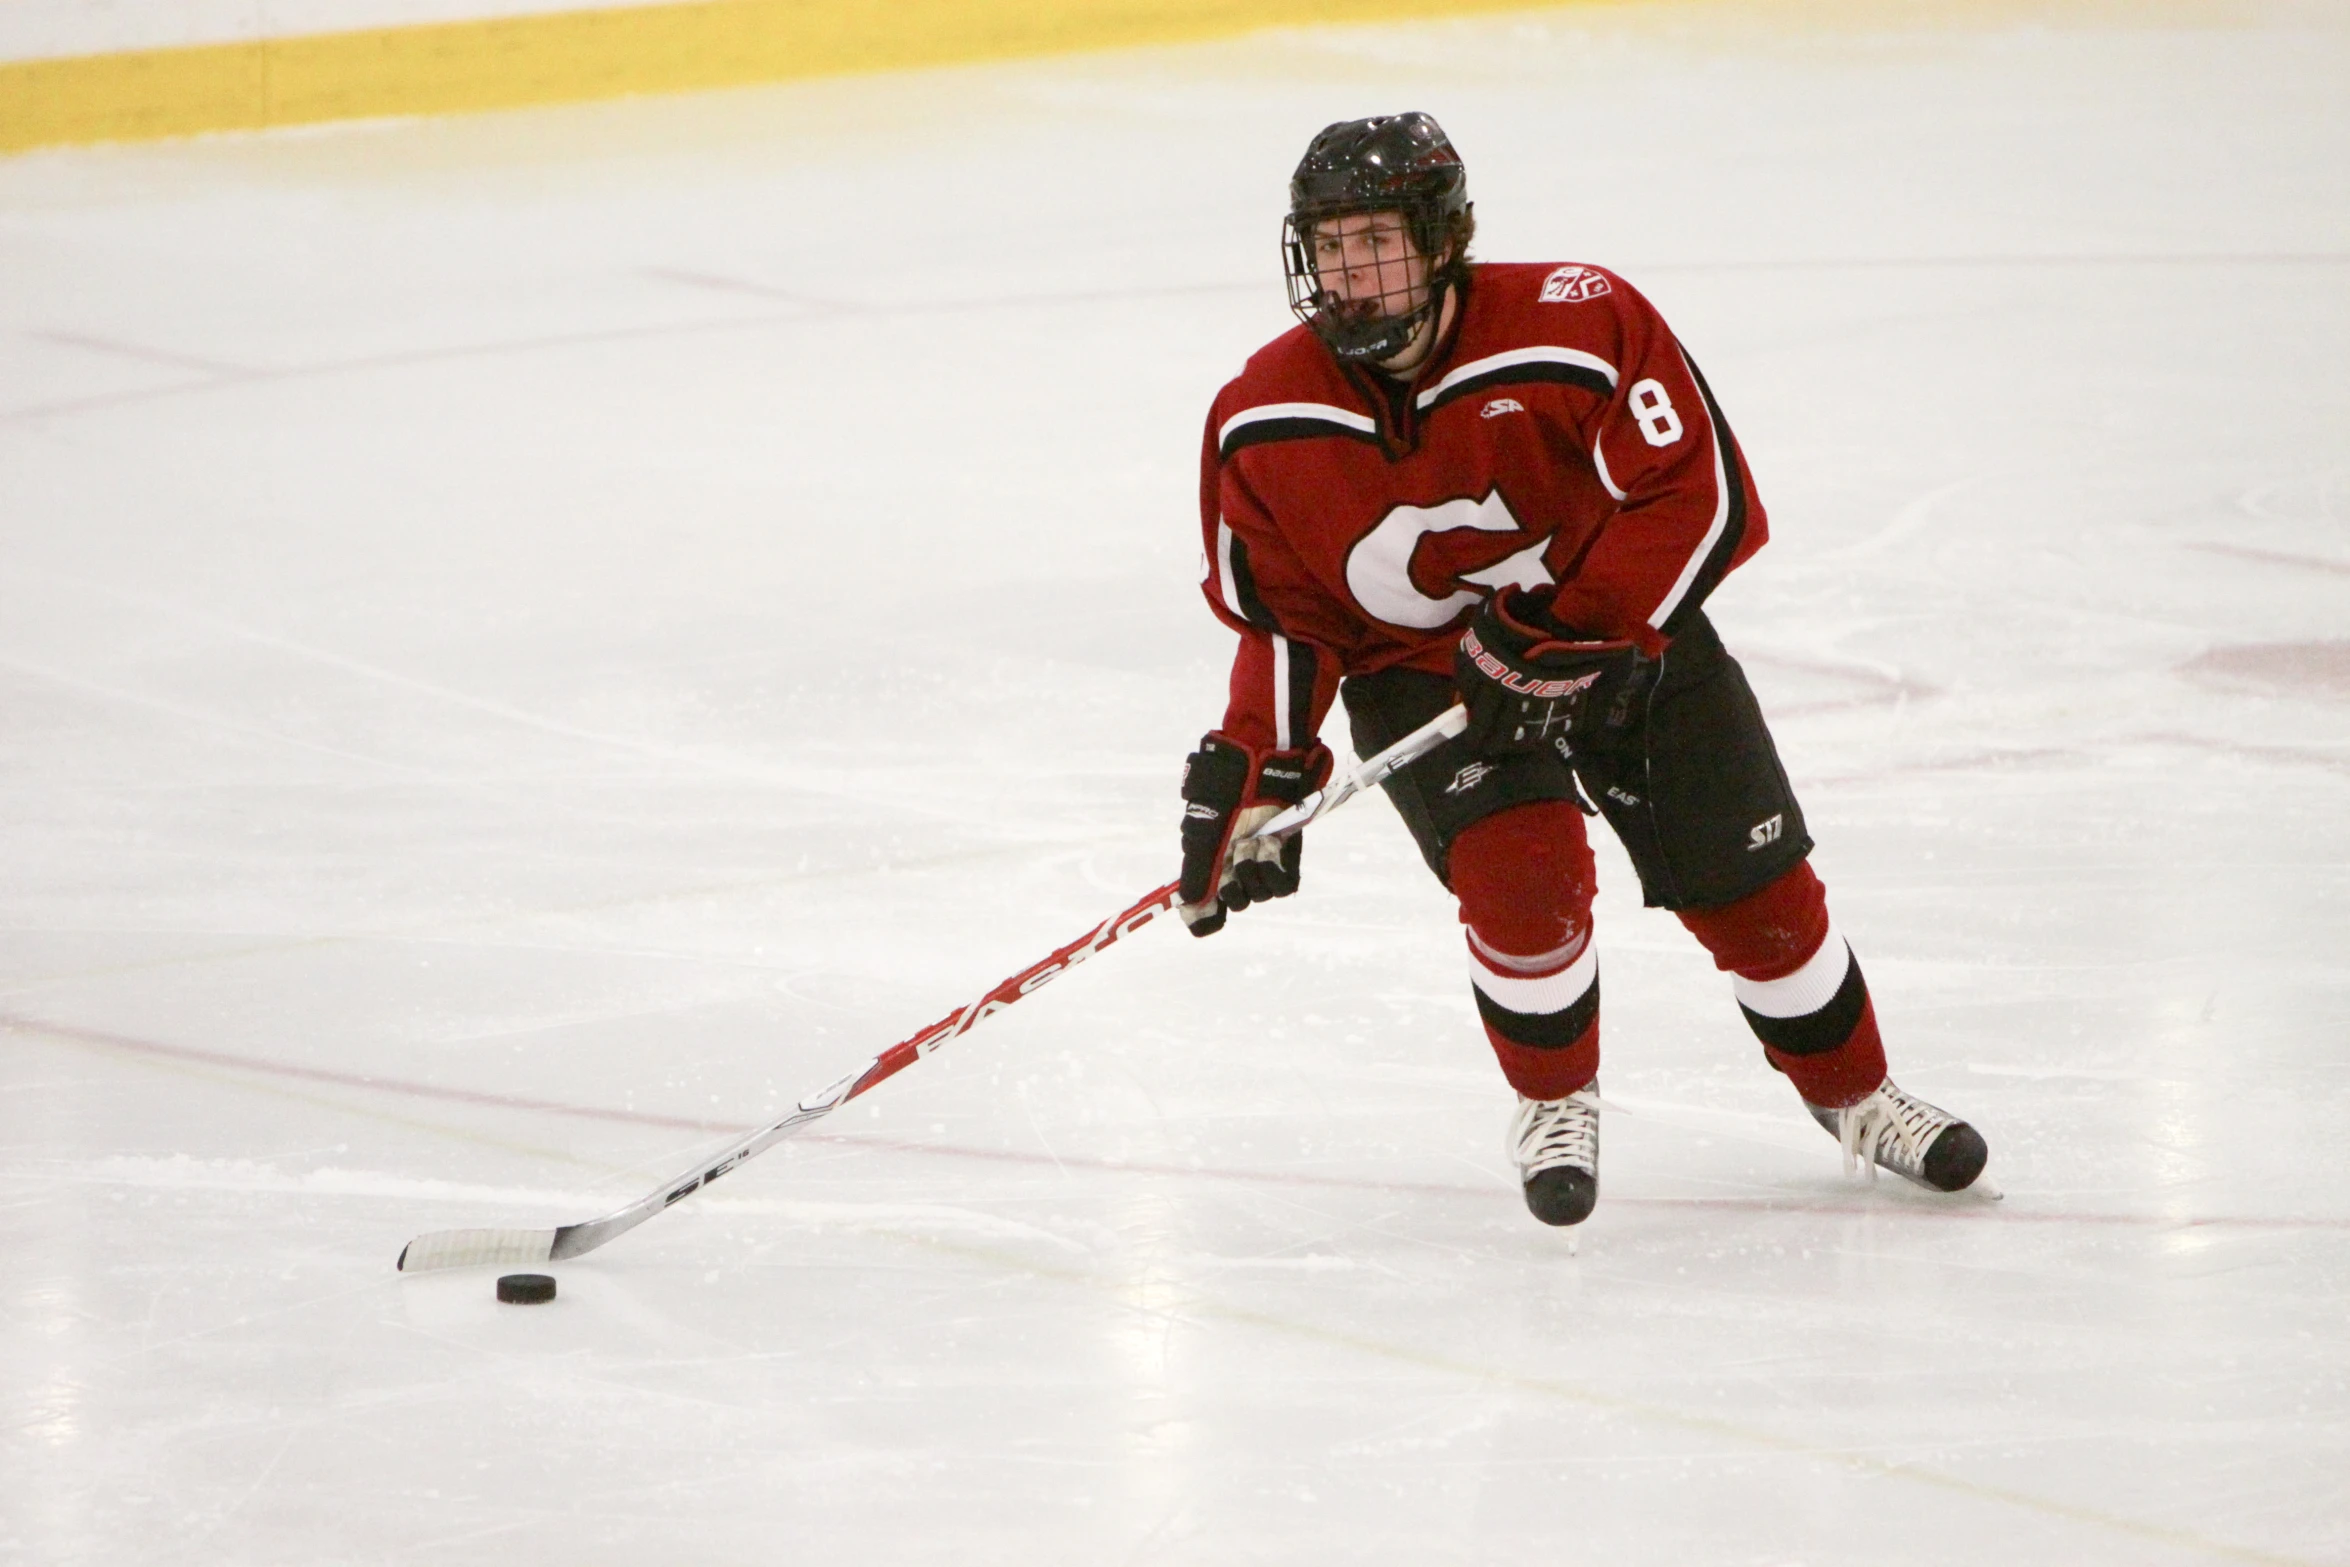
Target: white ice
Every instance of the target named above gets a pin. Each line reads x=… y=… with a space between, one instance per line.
x=527 y=643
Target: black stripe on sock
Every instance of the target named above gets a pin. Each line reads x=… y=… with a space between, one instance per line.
x=1541 y=1030
x=1816 y=1033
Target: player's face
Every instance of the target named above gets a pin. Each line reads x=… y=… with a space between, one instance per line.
x=1366 y=263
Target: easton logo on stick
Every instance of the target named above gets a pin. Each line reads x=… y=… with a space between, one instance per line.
x=706 y=1177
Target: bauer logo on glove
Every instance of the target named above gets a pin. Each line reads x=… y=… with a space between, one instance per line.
x=1530 y=682
x=1510 y=680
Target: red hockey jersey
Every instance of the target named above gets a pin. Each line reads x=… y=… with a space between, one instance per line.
x=1560 y=436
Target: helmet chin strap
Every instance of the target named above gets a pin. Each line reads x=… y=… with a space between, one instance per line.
x=1428 y=326
x=1375 y=340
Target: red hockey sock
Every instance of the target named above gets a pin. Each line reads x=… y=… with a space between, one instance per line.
x=1799 y=986
x=1524 y=878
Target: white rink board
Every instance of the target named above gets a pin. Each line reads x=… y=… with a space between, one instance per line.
x=637 y=607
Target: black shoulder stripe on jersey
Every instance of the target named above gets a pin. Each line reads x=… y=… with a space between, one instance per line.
x=1303 y=666
x=1816 y=1033
x=1300 y=428
x=1541 y=1030
x=1518 y=375
x=1717 y=560
x=1244 y=589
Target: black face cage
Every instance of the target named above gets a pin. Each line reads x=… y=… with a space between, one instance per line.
x=1362 y=329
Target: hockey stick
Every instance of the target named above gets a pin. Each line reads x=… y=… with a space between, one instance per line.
x=462 y=1248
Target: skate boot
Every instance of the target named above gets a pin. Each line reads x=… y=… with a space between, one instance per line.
x=1907 y=1136
x=1556 y=1145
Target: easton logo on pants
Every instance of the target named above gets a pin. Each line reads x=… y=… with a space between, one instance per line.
x=1469 y=778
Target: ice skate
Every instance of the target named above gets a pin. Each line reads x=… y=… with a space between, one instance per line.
x=1556 y=1145
x=1907 y=1136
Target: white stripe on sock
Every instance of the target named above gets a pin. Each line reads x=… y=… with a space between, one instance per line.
x=1549 y=993
x=1803 y=992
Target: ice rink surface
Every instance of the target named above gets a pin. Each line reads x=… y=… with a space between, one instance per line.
x=529 y=643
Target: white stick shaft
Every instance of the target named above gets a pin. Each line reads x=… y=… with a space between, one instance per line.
x=1444 y=726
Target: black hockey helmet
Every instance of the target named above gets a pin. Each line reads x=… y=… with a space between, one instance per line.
x=1401 y=163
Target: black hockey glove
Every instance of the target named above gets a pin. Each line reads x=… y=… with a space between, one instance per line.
x=1530 y=683
x=1229 y=791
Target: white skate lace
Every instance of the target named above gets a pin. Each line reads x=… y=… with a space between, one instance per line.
x=1888 y=1125
x=1548 y=1133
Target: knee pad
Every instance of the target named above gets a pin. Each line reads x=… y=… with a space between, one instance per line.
x=1525 y=877
x=1768 y=934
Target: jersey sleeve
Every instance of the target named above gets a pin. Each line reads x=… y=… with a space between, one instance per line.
x=1285 y=674
x=1686 y=511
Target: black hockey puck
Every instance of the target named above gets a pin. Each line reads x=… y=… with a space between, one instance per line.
x=526 y=1289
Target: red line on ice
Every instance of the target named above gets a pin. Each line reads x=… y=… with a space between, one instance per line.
x=2006 y=1213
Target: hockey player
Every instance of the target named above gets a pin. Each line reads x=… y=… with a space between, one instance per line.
x=1507 y=485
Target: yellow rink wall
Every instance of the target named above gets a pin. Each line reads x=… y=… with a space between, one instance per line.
x=570 y=56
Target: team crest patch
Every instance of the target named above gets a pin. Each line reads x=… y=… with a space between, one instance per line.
x=1572 y=285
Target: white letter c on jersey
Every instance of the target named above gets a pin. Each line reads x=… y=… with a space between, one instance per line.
x=1379 y=567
